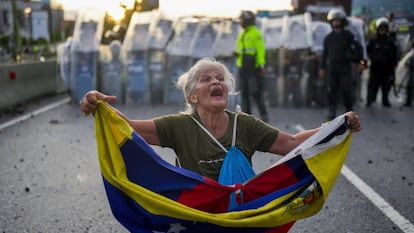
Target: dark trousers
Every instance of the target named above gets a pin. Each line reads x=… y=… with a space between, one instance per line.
x=379 y=79
x=409 y=89
x=341 y=85
x=251 y=85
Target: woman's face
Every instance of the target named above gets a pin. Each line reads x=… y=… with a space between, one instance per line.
x=211 y=91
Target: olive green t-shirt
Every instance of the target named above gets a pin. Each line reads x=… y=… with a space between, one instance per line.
x=198 y=152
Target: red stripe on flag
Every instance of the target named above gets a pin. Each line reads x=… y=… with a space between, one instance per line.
x=271 y=180
x=209 y=196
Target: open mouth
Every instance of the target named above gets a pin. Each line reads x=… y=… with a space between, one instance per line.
x=216 y=92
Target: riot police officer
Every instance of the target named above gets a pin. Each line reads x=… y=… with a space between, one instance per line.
x=340 y=49
x=382 y=53
x=251 y=60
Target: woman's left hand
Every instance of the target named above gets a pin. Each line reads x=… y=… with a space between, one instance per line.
x=353 y=121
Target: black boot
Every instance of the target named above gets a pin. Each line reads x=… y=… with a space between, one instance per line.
x=386 y=104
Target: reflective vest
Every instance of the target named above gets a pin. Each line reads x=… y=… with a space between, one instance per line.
x=251 y=42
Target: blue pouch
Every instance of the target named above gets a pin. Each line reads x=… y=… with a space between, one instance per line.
x=235 y=169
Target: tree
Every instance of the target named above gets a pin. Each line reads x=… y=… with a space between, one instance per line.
x=16 y=36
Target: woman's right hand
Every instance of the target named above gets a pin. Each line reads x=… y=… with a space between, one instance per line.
x=90 y=100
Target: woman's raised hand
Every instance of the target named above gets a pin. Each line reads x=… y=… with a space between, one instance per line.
x=90 y=100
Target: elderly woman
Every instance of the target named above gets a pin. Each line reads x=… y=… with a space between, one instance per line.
x=200 y=135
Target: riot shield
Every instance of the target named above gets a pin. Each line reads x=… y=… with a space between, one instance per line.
x=135 y=56
x=160 y=32
x=85 y=52
x=179 y=57
x=272 y=33
x=223 y=50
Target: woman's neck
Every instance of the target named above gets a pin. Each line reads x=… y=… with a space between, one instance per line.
x=215 y=122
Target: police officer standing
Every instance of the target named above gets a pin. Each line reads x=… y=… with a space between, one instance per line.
x=340 y=50
x=382 y=53
x=251 y=60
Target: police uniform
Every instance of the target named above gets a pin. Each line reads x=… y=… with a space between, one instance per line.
x=382 y=53
x=340 y=50
x=338 y=66
x=251 y=60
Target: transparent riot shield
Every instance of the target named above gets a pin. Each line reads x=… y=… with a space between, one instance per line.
x=272 y=33
x=135 y=50
x=320 y=30
x=225 y=44
x=356 y=26
x=112 y=72
x=64 y=55
x=85 y=52
x=137 y=84
x=297 y=41
x=160 y=31
x=206 y=34
x=84 y=73
x=179 y=57
x=316 y=87
x=297 y=31
x=223 y=50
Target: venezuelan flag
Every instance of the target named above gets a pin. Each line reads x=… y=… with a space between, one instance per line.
x=147 y=194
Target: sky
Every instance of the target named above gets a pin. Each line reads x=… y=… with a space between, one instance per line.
x=184 y=7
x=221 y=7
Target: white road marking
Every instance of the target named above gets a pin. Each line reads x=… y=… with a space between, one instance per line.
x=35 y=113
x=399 y=220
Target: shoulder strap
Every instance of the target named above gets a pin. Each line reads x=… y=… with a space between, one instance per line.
x=209 y=134
x=233 y=141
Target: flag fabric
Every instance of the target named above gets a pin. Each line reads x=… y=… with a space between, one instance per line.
x=148 y=194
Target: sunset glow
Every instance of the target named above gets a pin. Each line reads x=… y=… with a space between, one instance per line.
x=220 y=7
x=182 y=7
x=112 y=7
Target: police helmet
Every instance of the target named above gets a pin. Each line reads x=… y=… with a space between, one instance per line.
x=248 y=17
x=381 y=22
x=336 y=14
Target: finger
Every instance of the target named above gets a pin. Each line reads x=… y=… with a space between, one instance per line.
x=92 y=98
x=87 y=107
x=354 y=118
x=106 y=98
x=356 y=125
x=109 y=98
x=353 y=121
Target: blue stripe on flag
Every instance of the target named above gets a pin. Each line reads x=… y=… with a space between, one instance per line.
x=157 y=174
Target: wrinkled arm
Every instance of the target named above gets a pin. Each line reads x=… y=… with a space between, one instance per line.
x=286 y=142
x=146 y=128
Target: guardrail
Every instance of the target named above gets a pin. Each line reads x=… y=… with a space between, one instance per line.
x=27 y=81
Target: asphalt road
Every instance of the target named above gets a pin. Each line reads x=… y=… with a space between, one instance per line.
x=50 y=179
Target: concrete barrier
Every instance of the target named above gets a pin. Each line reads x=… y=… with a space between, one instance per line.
x=27 y=81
